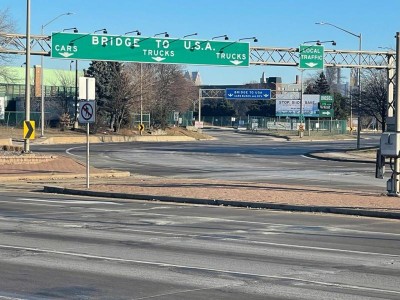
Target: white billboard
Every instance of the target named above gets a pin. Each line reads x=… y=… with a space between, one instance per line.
x=288 y=105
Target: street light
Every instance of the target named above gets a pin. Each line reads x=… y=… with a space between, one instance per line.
x=319 y=43
x=164 y=33
x=250 y=38
x=42 y=121
x=359 y=36
x=102 y=30
x=137 y=32
x=230 y=44
x=75 y=30
x=224 y=36
x=192 y=34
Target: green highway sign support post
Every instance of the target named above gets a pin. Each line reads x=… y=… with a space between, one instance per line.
x=149 y=49
x=311 y=57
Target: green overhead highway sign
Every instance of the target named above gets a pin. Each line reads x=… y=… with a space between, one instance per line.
x=311 y=57
x=149 y=49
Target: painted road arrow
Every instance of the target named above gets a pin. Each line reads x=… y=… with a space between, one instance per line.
x=29 y=129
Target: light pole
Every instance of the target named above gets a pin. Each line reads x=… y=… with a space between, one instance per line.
x=42 y=120
x=141 y=85
x=27 y=71
x=359 y=36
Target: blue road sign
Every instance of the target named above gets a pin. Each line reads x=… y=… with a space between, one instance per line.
x=248 y=94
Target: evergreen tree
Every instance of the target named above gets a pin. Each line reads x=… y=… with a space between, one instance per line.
x=105 y=73
x=340 y=106
x=320 y=86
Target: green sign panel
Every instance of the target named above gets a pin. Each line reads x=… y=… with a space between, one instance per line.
x=326 y=106
x=149 y=49
x=311 y=57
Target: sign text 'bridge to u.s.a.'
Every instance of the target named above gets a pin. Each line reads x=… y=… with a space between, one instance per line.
x=149 y=49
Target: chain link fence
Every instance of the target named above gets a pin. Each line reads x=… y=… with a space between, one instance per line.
x=290 y=126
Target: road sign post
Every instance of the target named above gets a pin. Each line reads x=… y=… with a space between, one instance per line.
x=87 y=113
x=311 y=57
x=149 y=49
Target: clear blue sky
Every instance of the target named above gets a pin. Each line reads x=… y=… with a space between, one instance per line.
x=278 y=23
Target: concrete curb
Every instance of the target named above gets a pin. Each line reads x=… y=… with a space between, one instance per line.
x=26 y=159
x=286 y=207
x=6 y=142
x=319 y=155
x=115 y=139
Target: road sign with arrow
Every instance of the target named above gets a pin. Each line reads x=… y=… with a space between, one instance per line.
x=248 y=94
x=326 y=106
x=29 y=130
x=149 y=49
x=311 y=57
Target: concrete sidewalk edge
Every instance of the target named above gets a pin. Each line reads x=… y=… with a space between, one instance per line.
x=247 y=204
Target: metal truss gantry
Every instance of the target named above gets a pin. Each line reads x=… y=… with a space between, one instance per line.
x=11 y=43
x=275 y=56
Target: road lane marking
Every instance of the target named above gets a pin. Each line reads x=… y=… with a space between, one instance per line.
x=69 y=201
x=68 y=151
x=196 y=268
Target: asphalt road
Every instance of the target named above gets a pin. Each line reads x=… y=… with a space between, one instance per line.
x=65 y=247
x=235 y=156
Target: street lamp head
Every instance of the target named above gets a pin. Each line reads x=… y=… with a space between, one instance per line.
x=73 y=28
x=103 y=30
x=137 y=32
x=255 y=40
x=164 y=33
x=224 y=36
x=192 y=34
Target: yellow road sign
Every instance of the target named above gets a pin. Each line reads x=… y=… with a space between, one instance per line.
x=141 y=127
x=29 y=130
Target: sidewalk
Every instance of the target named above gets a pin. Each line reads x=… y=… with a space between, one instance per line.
x=64 y=175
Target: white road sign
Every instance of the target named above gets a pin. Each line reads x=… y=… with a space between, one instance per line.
x=87 y=112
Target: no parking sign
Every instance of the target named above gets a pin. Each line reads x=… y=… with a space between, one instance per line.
x=87 y=112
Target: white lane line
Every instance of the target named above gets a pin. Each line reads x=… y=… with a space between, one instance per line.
x=68 y=151
x=187 y=267
x=304 y=156
x=285 y=226
x=68 y=201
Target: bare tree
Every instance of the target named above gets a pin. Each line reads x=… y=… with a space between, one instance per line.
x=374 y=95
x=57 y=104
x=173 y=92
x=122 y=100
x=7 y=25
